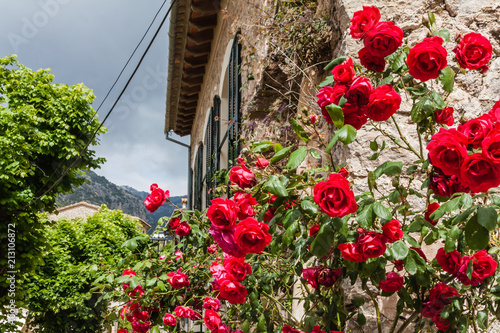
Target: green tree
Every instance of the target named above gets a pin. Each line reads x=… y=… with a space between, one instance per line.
x=59 y=293
x=43 y=128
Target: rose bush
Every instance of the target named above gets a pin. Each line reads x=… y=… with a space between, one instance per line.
x=283 y=235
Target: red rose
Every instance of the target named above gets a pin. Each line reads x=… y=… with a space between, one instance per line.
x=251 y=235
x=479 y=173
x=317 y=329
x=178 y=280
x=157 y=198
x=371 y=244
x=129 y=272
x=242 y=176
x=449 y=262
x=393 y=282
x=328 y=276
x=351 y=252
x=169 y=320
x=311 y=275
x=359 y=92
x=431 y=209
x=344 y=73
x=222 y=213
x=122 y=330
x=288 y=329
x=364 y=20
x=447 y=150
x=427 y=58
x=383 y=103
x=212 y=319
x=244 y=202
x=185 y=312
x=232 y=291
x=334 y=197
x=141 y=327
x=262 y=163
x=356 y=120
x=383 y=39
x=211 y=304
x=174 y=222
x=313 y=119
x=183 y=229
x=237 y=268
x=343 y=172
x=473 y=51
x=445 y=186
x=483 y=266
x=328 y=95
x=371 y=62
x=313 y=230
x=392 y=231
x=441 y=294
x=495 y=112
x=475 y=130
x=441 y=323
x=213 y=248
x=491 y=146
x=225 y=239
x=444 y=116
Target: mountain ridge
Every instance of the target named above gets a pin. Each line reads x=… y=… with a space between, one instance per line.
x=98 y=190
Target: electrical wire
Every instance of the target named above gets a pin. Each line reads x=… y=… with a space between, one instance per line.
x=112 y=107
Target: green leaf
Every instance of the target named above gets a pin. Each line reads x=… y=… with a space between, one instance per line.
x=463 y=324
x=399 y=250
x=374 y=145
x=296 y=158
x=291 y=216
x=309 y=207
x=386 y=80
x=451 y=238
x=476 y=236
x=432 y=21
x=334 y=63
x=487 y=217
x=327 y=81
x=444 y=34
x=323 y=241
x=289 y=234
x=438 y=101
x=333 y=141
x=410 y=265
x=448 y=207
x=366 y=217
x=274 y=186
x=336 y=114
x=447 y=77
x=381 y=211
x=399 y=62
x=482 y=319
x=389 y=168
x=299 y=130
x=314 y=153
x=419 y=261
x=361 y=319
x=155 y=330
x=280 y=155
x=346 y=134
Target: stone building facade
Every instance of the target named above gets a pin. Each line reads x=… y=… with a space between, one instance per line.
x=206 y=37
x=83 y=210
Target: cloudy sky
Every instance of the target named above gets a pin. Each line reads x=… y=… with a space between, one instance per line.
x=89 y=41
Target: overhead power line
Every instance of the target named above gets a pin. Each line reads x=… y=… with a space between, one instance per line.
x=116 y=101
